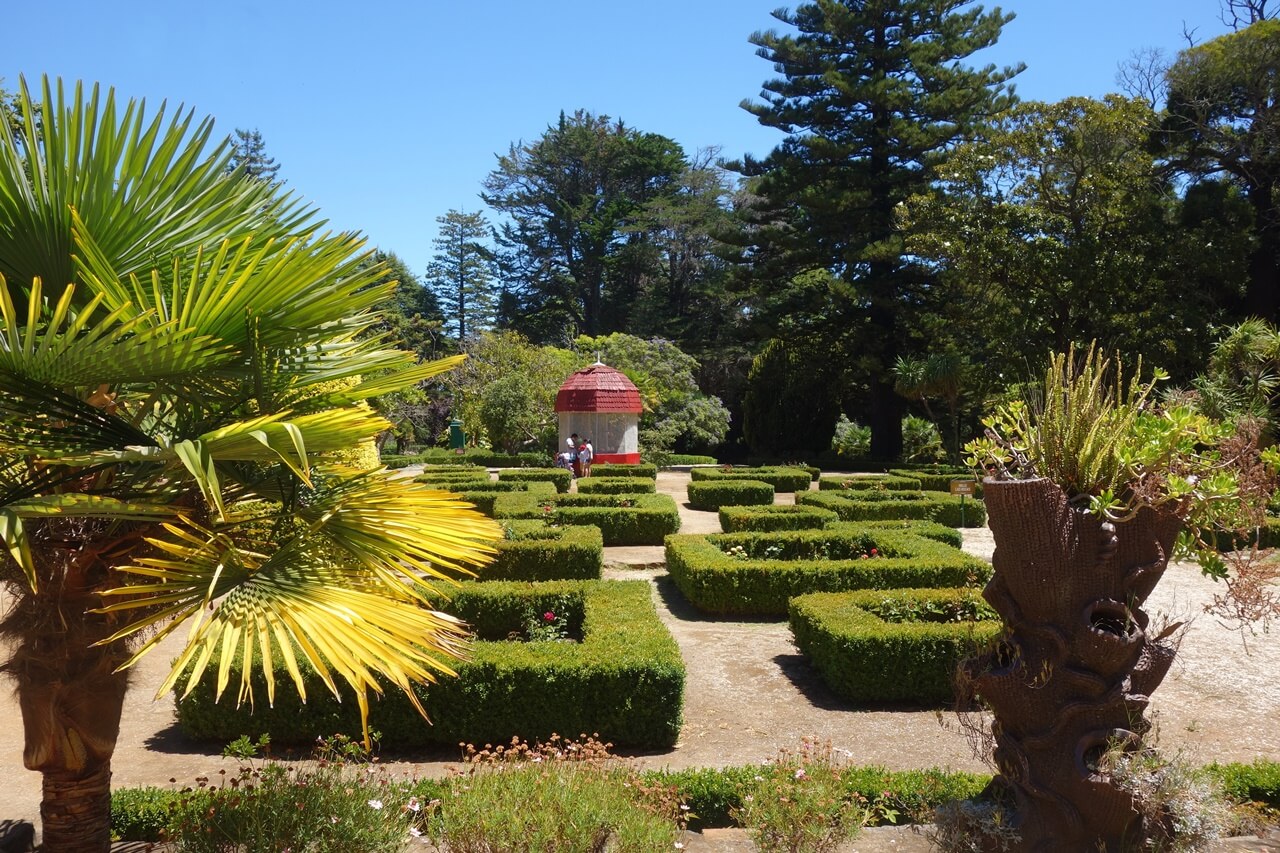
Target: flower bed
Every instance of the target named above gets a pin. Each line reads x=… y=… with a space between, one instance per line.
x=898 y=645
x=757 y=573
x=634 y=519
x=624 y=680
x=763 y=519
x=537 y=551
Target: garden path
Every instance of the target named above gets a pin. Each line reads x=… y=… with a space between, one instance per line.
x=750 y=694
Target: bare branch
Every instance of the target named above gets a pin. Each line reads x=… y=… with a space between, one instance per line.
x=1142 y=75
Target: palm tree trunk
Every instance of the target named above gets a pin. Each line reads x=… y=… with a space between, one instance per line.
x=71 y=702
x=76 y=811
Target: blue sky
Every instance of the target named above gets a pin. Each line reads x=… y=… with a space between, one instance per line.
x=387 y=114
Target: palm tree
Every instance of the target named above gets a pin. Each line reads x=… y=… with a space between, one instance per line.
x=940 y=374
x=182 y=368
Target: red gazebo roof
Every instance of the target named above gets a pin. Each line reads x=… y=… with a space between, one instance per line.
x=598 y=388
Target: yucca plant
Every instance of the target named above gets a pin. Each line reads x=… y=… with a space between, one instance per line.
x=183 y=363
x=1113 y=447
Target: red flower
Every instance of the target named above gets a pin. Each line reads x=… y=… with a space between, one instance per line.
x=549 y=616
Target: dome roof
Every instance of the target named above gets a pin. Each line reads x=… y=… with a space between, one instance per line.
x=598 y=388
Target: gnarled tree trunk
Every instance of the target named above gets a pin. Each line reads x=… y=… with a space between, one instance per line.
x=1073 y=674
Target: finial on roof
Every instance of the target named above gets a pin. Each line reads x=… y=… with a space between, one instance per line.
x=598 y=361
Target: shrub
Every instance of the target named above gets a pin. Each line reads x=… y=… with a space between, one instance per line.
x=561 y=477
x=455 y=481
x=690 y=459
x=935 y=478
x=761 y=519
x=634 y=519
x=756 y=573
x=712 y=494
x=783 y=479
x=483 y=494
x=857 y=505
x=556 y=797
x=616 y=485
x=802 y=806
x=535 y=551
x=873 y=482
x=644 y=470
x=141 y=814
x=898 y=645
x=473 y=455
x=625 y=679
x=1257 y=783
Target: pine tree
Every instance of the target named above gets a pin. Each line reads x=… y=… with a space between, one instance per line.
x=461 y=274
x=249 y=153
x=872 y=95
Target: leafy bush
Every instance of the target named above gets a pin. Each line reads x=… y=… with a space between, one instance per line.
x=782 y=478
x=761 y=519
x=473 y=455
x=937 y=478
x=899 y=645
x=643 y=470
x=712 y=494
x=141 y=814
x=757 y=573
x=634 y=519
x=690 y=459
x=561 y=477
x=555 y=797
x=852 y=440
x=615 y=486
x=535 y=551
x=625 y=679
x=921 y=441
x=803 y=805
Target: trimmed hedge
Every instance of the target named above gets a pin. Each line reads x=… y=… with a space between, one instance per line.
x=710 y=495
x=771 y=568
x=594 y=485
x=633 y=519
x=899 y=645
x=455 y=478
x=644 y=470
x=763 y=519
x=690 y=459
x=560 y=476
x=856 y=505
x=483 y=493
x=782 y=479
x=472 y=455
x=875 y=482
x=940 y=480
x=928 y=529
x=624 y=680
x=1267 y=536
x=536 y=551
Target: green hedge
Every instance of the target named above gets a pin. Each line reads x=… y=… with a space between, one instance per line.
x=770 y=568
x=644 y=470
x=691 y=459
x=1257 y=783
x=456 y=478
x=875 y=482
x=898 y=645
x=710 y=495
x=928 y=529
x=536 y=551
x=635 y=519
x=560 y=476
x=594 y=485
x=483 y=495
x=763 y=519
x=473 y=455
x=624 y=680
x=1267 y=536
x=940 y=480
x=782 y=479
x=856 y=505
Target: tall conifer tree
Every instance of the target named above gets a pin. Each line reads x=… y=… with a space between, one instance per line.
x=871 y=95
x=461 y=274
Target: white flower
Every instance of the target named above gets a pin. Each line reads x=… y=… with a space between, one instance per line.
x=333 y=818
x=413 y=804
x=415 y=832
x=679 y=846
x=800 y=774
x=375 y=804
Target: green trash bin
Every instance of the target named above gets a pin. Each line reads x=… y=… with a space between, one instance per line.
x=457 y=440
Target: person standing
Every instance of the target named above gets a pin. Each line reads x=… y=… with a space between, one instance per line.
x=586 y=454
x=575 y=458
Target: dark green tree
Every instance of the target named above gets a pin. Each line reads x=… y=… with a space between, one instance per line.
x=570 y=196
x=461 y=274
x=871 y=94
x=790 y=409
x=249 y=154
x=1223 y=123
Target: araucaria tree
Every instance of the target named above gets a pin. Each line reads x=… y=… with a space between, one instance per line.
x=181 y=363
x=461 y=274
x=872 y=94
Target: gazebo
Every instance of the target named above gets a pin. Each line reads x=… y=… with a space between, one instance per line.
x=601 y=404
